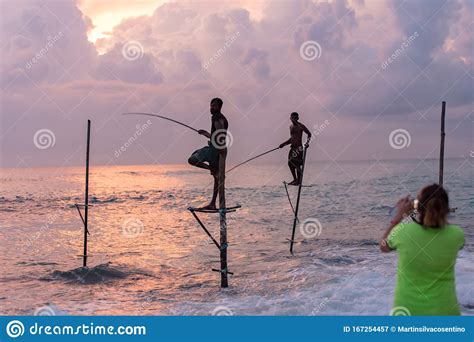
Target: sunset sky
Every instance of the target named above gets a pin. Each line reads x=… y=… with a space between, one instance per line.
x=380 y=66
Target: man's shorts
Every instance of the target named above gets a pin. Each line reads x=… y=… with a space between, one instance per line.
x=207 y=154
x=295 y=156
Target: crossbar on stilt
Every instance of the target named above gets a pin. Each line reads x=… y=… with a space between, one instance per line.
x=210 y=211
x=221 y=247
x=204 y=228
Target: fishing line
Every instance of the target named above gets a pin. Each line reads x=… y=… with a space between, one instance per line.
x=260 y=155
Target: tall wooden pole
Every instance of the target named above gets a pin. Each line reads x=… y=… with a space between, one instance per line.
x=86 y=199
x=441 y=147
x=297 y=203
x=222 y=218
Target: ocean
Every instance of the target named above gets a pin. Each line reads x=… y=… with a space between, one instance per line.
x=148 y=256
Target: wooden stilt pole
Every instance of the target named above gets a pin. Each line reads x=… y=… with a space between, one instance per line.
x=441 y=147
x=297 y=203
x=86 y=199
x=289 y=200
x=222 y=218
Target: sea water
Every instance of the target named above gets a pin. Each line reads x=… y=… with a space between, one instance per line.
x=148 y=255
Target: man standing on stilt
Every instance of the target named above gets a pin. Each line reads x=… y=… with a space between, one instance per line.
x=295 y=156
x=208 y=156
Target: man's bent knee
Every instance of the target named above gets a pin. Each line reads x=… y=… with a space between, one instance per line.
x=192 y=160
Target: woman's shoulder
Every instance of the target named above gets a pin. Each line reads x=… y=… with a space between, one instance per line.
x=454 y=228
x=456 y=233
x=450 y=228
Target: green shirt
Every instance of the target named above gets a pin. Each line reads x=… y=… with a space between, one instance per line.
x=426 y=260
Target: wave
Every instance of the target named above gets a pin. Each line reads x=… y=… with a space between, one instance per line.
x=97 y=274
x=337 y=261
x=182 y=172
x=132 y=173
x=38 y=263
x=85 y=275
x=382 y=208
x=112 y=199
x=17 y=199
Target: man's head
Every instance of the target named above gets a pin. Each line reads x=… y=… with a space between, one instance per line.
x=294 y=117
x=216 y=105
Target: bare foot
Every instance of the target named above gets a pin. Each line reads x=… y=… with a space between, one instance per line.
x=209 y=207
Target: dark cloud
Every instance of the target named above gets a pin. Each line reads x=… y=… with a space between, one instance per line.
x=129 y=64
x=258 y=59
x=432 y=20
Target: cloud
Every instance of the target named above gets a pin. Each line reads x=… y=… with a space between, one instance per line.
x=259 y=60
x=128 y=63
x=370 y=77
x=44 y=41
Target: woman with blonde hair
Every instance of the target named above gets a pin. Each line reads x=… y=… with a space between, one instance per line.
x=427 y=247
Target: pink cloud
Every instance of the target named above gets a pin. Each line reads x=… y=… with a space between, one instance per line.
x=189 y=53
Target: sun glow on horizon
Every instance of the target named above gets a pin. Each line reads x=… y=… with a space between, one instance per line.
x=106 y=14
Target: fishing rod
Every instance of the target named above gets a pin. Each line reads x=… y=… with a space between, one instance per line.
x=262 y=154
x=192 y=128
x=164 y=117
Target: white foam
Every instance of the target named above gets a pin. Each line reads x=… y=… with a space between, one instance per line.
x=357 y=290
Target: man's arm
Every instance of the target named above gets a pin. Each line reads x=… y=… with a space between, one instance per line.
x=308 y=133
x=283 y=144
x=205 y=133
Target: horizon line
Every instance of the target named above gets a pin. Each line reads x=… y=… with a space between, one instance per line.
x=267 y=163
